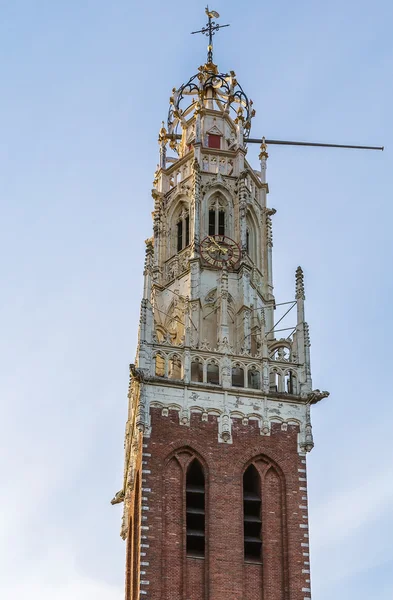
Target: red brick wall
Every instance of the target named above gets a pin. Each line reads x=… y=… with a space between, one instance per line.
x=223 y=573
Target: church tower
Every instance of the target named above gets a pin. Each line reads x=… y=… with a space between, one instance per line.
x=218 y=429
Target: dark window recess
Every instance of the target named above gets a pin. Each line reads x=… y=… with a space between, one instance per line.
x=212 y=222
x=237 y=377
x=248 y=242
x=221 y=223
x=195 y=510
x=252 y=515
x=187 y=230
x=179 y=236
x=196 y=371
x=214 y=141
x=213 y=374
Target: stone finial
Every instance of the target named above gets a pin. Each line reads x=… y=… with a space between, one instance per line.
x=162 y=135
x=162 y=140
x=240 y=115
x=300 y=284
x=263 y=154
x=149 y=250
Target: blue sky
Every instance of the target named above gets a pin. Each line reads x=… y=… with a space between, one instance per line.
x=85 y=85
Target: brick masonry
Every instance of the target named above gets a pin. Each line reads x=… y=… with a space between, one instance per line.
x=157 y=565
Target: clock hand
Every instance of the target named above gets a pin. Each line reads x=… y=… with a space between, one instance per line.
x=222 y=249
x=211 y=238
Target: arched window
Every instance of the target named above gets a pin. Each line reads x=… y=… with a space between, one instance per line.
x=174 y=370
x=216 y=217
x=160 y=366
x=248 y=241
x=252 y=515
x=253 y=378
x=197 y=370
x=195 y=509
x=183 y=230
x=276 y=381
x=213 y=373
x=237 y=376
x=290 y=383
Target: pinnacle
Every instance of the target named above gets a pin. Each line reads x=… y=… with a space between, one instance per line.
x=300 y=284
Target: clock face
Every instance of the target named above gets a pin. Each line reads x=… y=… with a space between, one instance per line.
x=220 y=250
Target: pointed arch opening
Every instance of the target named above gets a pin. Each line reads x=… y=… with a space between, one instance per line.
x=197 y=370
x=160 y=368
x=290 y=383
x=252 y=515
x=175 y=367
x=195 y=509
x=253 y=378
x=213 y=373
x=237 y=376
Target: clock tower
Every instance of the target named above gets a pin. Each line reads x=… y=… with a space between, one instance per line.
x=218 y=429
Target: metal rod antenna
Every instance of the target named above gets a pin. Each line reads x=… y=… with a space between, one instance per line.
x=279 y=320
x=289 y=143
x=315 y=144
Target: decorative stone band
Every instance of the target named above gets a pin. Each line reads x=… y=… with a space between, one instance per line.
x=226 y=406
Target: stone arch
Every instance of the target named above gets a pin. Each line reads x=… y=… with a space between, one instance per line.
x=253 y=376
x=291 y=382
x=179 y=205
x=160 y=364
x=238 y=373
x=218 y=195
x=197 y=369
x=276 y=380
x=174 y=321
x=254 y=242
x=175 y=366
x=213 y=371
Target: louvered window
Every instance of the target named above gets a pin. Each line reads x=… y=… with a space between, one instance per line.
x=195 y=509
x=252 y=515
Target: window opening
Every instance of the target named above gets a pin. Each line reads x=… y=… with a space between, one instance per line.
x=213 y=374
x=237 y=376
x=195 y=510
x=273 y=377
x=252 y=515
x=290 y=383
x=179 y=236
x=183 y=230
x=187 y=224
x=248 y=242
x=212 y=222
x=253 y=379
x=196 y=370
x=216 y=218
x=174 y=371
x=214 y=141
x=221 y=223
x=160 y=366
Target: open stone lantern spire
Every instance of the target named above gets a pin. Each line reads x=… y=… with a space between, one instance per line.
x=215 y=490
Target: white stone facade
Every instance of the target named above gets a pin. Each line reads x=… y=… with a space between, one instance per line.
x=208 y=341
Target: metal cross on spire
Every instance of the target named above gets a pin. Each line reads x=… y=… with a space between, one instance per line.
x=209 y=30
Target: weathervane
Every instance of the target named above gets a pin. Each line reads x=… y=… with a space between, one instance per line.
x=209 y=30
x=224 y=91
